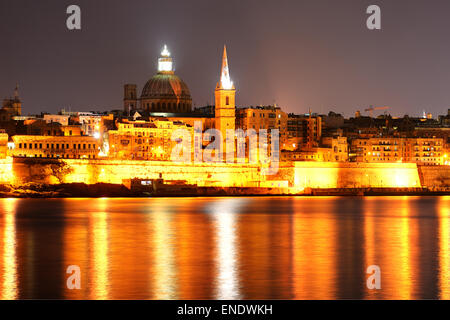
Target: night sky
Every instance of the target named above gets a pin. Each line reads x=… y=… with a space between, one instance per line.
x=299 y=54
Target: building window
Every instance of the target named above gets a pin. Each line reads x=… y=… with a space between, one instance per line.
x=227 y=100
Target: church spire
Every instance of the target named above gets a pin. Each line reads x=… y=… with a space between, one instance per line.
x=16 y=92
x=225 y=81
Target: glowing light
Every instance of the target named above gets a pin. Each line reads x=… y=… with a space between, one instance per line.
x=163 y=249
x=225 y=80
x=165 y=62
x=165 y=52
x=9 y=281
x=96 y=135
x=99 y=245
x=444 y=248
x=225 y=216
x=313 y=254
x=401 y=180
x=6 y=170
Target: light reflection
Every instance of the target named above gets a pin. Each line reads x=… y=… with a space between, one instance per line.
x=226 y=255
x=444 y=245
x=225 y=226
x=404 y=250
x=98 y=224
x=314 y=252
x=9 y=280
x=387 y=242
x=76 y=248
x=164 y=253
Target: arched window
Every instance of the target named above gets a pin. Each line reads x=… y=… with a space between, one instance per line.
x=227 y=100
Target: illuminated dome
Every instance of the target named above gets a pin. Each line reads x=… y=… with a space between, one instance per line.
x=166 y=92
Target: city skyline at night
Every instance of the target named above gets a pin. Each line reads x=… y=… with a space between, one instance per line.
x=331 y=62
x=226 y=155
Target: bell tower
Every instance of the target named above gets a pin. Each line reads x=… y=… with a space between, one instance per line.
x=225 y=113
x=130 y=101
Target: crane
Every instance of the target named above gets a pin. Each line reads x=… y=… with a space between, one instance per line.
x=371 y=108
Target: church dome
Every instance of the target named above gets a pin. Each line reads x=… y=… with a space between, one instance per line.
x=165 y=86
x=166 y=92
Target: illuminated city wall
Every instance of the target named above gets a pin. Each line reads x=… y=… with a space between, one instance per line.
x=6 y=171
x=299 y=175
x=114 y=171
x=355 y=175
x=435 y=176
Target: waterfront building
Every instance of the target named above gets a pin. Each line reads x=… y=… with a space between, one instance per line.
x=92 y=124
x=59 y=118
x=423 y=151
x=3 y=144
x=296 y=131
x=144 y=140
x=304 y=130
x=262 y=117
x=44 y=128
x=332 y=149
x=66 y=147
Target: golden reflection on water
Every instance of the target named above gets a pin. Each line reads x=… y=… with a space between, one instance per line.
x=225 y=214
x=9 y=288
x=98 y=230
x=76 y=238
x=314 y=252
x=226 y=248
x=387 y=245
x=164 y=272
x=444 y=245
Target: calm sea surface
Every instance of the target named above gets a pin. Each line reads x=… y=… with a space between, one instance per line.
x=225 y=248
